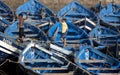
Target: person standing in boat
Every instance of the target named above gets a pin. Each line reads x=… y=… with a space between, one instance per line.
x=21 y=17
x=64 y=31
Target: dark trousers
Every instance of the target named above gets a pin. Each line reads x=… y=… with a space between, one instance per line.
x=21 y=32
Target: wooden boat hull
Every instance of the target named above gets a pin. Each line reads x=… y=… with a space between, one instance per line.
x=30 y=31
x=46 y=62
x=104 y=36
x=35 y=10
x=6 y=12
x=110 y=15
x=74 y=37
x=75 y=11
x=96 y=61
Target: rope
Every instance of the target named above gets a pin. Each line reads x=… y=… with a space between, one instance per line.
x=4 y=62
x=8 y=60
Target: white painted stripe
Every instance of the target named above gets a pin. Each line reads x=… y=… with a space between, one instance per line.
x=57 y=60
x=9 y=47
x=21 y=59
x=80 y=20
x=87 y=27
x=81 y=27
x=43 y=49
x=6 y=51
x=57 y=48
x=27 y=48
x=90 y=21
x=44 y=24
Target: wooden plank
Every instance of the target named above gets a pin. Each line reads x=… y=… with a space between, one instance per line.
x=9 y=47
x=109 y=73
x=91 y=61
x=42 y=25
x=58 y=73
x=40 y=60
x=57 y=68
x=25 y=30
x=29 y=35
x=55 y=47
x=102 y=69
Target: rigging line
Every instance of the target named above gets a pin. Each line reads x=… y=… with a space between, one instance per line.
x=4 y=62
x=2 y=72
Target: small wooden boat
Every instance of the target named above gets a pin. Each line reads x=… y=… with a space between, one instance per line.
x=30 y=31
x=6 y=12
x=74 y=37
x=75 y=11
x=110 y=15
x=97 y=62
x=9 y=49
x=37 y=60
x=104 y=36
x=9 y=44
x=35 y=10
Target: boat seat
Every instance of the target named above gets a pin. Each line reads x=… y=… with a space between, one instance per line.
x=102 y=69
x=46 y=68
x=92 y=61
x=42 y=25
x=55 y=47
x=40 y=60
x=25 y=30
x=70 y=73
x=30 y=35
x=108 y=74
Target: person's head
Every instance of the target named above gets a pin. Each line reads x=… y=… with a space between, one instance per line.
x=20 y=15
x=58 y=19
x=63 y=20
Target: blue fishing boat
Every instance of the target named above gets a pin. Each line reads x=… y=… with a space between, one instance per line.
x=3 y=24
x=75 y=11
x=74 y=37
x=39 y=15
x=6 y=12
x=104 y=36
x=35 y=10
x=97 y=62
x=30 y=31
x=9 y=49
x=110 y=15
x=38 y=60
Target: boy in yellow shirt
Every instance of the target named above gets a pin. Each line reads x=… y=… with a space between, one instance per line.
x=64 y=31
